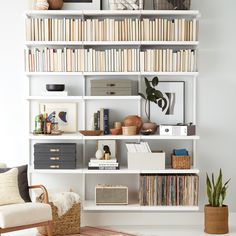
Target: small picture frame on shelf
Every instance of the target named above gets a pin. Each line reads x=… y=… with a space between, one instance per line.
x=174 y=93
x=82 y=5
x=66 y=115
x=112 y=147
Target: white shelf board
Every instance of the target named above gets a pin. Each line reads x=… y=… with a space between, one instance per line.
x=137 y=73
x=111 y=97
x=55 y=98
x=66 y=136
x=53 y=73
x=53 y=43
x=112 y=137
x=166 y=137
x=91 y=206
x=193 y=13
x=51 y=171
x=128 y=171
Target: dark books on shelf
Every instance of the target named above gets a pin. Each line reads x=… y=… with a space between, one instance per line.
x=168 y=190
x=101 y=120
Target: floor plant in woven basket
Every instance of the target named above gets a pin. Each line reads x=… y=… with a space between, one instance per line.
x=216 y=213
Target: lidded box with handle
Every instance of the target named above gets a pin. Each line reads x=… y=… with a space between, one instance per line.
x=55 y=156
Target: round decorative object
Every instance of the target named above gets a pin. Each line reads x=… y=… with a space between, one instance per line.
x=41 y=5
x=216 y=220
x=99 y=154
x=150 y=126
x=115 y=131
x=129 y=130
x=133 y=120
x=55 y=87
x=55 y=4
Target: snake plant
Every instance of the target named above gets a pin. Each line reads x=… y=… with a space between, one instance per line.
x=216 y=190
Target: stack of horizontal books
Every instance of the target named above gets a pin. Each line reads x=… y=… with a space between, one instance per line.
x=95 y=164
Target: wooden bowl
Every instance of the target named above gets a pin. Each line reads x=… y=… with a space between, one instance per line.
x=129 y=130
x=91 y=132
x=115 y=131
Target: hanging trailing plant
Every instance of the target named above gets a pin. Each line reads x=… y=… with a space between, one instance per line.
x=153 y=95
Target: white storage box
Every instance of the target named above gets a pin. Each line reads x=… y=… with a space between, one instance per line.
x=146 y=161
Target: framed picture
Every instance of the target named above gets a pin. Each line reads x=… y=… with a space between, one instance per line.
x=82 y=5
x=174 y=92
x=111 y=144
x=66 y=114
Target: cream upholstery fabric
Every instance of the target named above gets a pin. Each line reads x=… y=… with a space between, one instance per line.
x=9 y=191
x=24 y=214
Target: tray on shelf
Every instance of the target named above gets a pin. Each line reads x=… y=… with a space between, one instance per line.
x=91 y=132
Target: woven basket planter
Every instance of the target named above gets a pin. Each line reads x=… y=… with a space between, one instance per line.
x=180 y=162
x=216 y=220
x=68 y=223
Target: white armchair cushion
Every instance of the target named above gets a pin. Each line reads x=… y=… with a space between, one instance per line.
x=24 y=214
x=9 y=191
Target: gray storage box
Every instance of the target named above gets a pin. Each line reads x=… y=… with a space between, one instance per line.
x=111 y=87
x=55 y=156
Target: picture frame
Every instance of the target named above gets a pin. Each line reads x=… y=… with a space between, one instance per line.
x=82 y=5
x=174 y=92
x=66 y=115
x=111 y=144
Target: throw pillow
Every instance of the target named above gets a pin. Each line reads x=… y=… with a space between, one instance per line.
x=22 y=181
x=9 y=191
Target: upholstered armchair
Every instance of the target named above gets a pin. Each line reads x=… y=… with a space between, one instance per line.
x=22 y=215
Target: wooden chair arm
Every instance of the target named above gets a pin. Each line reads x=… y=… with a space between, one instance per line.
x=45 y=192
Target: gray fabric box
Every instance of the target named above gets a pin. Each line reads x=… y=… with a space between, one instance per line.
x=111 y=87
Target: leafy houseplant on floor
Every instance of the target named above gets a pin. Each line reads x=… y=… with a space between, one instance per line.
x=216 y=214
x=152 y=95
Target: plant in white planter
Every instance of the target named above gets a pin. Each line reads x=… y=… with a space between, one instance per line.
x=152 y=95
x=216 y=213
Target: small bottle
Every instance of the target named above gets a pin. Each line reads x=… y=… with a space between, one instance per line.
x=38 y=124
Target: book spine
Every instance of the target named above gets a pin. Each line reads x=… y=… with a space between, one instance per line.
x=106 y=122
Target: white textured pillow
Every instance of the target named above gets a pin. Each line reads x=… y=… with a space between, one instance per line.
x=9 y=191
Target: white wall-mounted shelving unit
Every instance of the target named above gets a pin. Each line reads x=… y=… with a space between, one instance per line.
x=85 y=100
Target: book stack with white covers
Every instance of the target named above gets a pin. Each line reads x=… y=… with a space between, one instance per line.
x=96 y=164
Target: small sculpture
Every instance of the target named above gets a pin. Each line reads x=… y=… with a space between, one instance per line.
x=99 y=154
x=107 y=152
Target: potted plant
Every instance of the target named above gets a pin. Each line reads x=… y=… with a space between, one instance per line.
x=152 y=95
x=216 y=213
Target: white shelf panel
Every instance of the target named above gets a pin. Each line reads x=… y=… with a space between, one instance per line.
x=127 y=171
x=112 y=12
x=91 y=206
x=112 y=137
x=67 y=136
x=53 y=43
x=49 y=171
x=57 y=98
x=143 y=73
x=53 y=73
x=166 y=137
x=111 y=97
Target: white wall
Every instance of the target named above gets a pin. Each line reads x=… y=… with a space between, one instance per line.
x=216 y=89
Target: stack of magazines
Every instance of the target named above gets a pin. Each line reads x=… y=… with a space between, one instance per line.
x=95 y=164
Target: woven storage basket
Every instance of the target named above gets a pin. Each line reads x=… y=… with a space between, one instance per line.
x=69 y=223
x=181 y=162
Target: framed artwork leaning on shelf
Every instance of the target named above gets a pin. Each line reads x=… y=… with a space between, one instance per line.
x=82 y=5
x=65 y=115
x=174 y=93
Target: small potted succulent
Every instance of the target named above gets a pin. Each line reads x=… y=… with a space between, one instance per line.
x=216 y=213
x=152 y=95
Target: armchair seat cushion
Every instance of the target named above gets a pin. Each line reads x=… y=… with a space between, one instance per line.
x=24 y=214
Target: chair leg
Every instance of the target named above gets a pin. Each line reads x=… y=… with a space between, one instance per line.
x=49 y=229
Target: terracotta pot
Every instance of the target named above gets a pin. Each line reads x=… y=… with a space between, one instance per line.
x=133 y=120
x=216 y=220
x=150 y=126
x=55 y=4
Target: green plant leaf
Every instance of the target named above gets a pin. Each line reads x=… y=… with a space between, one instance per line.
x=147 y=82
x=165 y=104
x=142 y=95
x=158 y=94
x=155 y=81
x=152 y=98
x=218 y=189
x=213 y=180
x=209 y=190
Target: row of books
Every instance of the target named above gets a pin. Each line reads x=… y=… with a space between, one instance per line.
x=101 y=120
x=127 y=29
x=110 y=60
x=95 y=164
x=169 y=190
x=138 y=147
